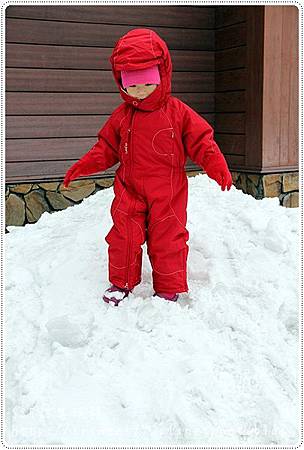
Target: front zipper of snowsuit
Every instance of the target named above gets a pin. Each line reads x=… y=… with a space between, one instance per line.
x=128 y=149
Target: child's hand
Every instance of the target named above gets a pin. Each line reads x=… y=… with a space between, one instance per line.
x=72 y=173
x=225 y=180
x=218 y=171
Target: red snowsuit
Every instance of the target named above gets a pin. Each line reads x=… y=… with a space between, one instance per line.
x=151 y=139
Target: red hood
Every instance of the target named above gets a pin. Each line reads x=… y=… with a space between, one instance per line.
x=138 y=49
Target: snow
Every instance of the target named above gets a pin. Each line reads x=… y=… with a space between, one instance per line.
x=219 y=367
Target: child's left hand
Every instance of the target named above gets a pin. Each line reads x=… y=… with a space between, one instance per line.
x=225 y=180
x=218 y=171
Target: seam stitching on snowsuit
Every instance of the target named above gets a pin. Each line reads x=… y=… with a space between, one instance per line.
x=172 y=194
x=119 y=201
x=152 y=142
x=124 y=267
x=183 y=226
x=133 y=220
x=158 y=221
x=123 y=118
x=171 y=273
x=163 y=111
x=120 y=210
x=142 y=233
x=117 y=267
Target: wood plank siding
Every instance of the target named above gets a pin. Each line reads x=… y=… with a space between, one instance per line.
x=230 y=82
x=59 y=84
x=60 y=89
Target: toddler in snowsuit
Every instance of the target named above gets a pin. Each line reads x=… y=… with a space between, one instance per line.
x=150 y=134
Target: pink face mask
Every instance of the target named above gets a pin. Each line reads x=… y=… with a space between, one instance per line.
x=150 y=75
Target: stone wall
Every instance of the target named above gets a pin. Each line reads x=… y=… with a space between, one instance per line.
x=26 y=202
x=285 y=186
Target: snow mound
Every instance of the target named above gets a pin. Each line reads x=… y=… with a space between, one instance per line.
x=218 y=367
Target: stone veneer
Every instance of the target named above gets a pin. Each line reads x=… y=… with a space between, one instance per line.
x=26 y=202
x=284 y=185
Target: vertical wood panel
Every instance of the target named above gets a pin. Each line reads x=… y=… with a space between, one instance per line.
x=272 y=92
x=293 y=112
x=290 y=86
x=254 y=88
x=280 y=93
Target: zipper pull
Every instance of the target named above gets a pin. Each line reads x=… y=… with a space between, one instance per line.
x=126 y=147
x=126 y=285
x=172 y=134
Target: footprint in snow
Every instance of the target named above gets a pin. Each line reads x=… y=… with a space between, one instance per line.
x=70 y=331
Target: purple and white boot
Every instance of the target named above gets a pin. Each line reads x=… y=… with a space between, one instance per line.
x=115 y=294
x=166 y=296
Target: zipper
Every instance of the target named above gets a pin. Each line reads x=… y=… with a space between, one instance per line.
x=129 y=140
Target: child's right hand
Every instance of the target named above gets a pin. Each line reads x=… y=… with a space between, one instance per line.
x=72 y=173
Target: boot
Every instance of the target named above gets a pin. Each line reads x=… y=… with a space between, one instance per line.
x=115 y=294
x=166 y=296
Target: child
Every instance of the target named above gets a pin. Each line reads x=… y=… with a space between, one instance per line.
x=150 y=134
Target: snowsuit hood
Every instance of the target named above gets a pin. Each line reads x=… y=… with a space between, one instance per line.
x=138 y=49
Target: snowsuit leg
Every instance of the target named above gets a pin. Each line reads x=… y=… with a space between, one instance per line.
x=127 y=235
x=167 y=235
x=152 y=209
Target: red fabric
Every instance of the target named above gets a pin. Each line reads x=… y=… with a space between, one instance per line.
x=151 y=139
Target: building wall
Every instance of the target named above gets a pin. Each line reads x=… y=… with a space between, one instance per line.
x=59 y=83
x=60 y=91
x=230 y=82
x=256 y=87
x=272 y=144
x=280 y=145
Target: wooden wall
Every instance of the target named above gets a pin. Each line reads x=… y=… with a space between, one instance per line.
x=256 y=87
x=272 y=93
x=59 y=84
x=235 y=65
x=230 y=82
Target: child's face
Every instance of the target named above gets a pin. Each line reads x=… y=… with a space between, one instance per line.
x=141 y=91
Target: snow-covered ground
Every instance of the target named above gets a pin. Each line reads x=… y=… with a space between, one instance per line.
x=219 y=367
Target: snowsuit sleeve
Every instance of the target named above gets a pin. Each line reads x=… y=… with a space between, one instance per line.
x=104 y=153
x=199 y=143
